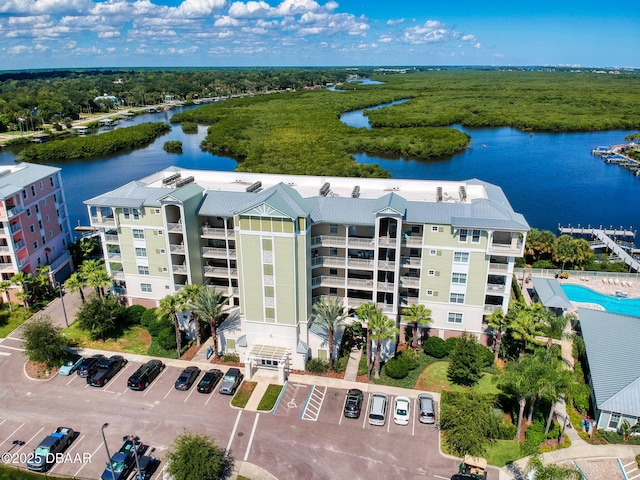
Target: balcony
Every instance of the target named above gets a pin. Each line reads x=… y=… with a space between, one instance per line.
x=114 y=257
x=386 y=265
x=327 y=241
x=103 y=221
x=209 y=232
x=408 y=240
x=11 y=212
x=16 y=227
x=387 y=241
x=489 y=309
x=220 y=272
x=213 y=252
x=410 y=282
x=406 y=301
x=175 y=227
x=6 y=266
x=110 y=238
x=327 y=261
x=361 y=263
x=226 y=291
x=327 y=281
x=410 y=261
x=360 y=283
x=386 y=287
x=3 y=232
x=496 y=289
x=5 y=249
x=177 y=249
x=360 y=242
x=179 y=269
x=499 y=268
x=23 y=262
x=117 y=273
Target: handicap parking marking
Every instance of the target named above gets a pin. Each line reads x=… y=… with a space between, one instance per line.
x=291 y=399
x=312 y=406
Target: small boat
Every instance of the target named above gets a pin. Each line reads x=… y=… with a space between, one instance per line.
x=620 y=294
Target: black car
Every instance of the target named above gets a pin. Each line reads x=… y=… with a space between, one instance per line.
x=187 y=377
x=353 y=404
x=145 y=375
x=106 y=370
x=88 y=365
x=148 y=466
x=209 y=380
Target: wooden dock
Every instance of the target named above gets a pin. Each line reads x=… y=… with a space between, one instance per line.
x=615 y=154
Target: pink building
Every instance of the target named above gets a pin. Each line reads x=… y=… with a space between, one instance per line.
x=34 y=223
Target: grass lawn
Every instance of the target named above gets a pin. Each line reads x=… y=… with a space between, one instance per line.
x=503 y=452
x=270 y=397
x=243 y=394
x=434 y=379
x=9 y=321
x=135 y=340
x=8 y=473
x=410 y=380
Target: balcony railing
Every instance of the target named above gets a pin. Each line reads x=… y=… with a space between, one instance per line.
x=489 y=309
x=327 y=261
x=215 y=252
x=220 y=272
x=12 y=212
x=210 y=232
x=506 y=249
x=502 y=268
x=411 y=240
x=406 y=300
x=360 y=283
x=16 y=227
x=327 y=281
x=386 y=287
x=328 y=241
x=175 y=227
x=410 y=261
x=114 y=257
x=496 y=288
x=117 y=273
x=5 y=248
x=23 y=262
x=360 y=263
x=407 y=281
x=387 y=241
x=177 y=249
x=111 y=238
x=6 y=266
x=179 y=269
x=361 y=242
x=104 y=221
x=3 y=232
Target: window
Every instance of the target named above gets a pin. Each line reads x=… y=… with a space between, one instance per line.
x=35 y=245
x=460 y=278
x=431 y=273
x=55 y=198
x=434 y=228
x=48 y=218
x=333 y=252
x=415 y=228
x=475 y=236
x=50 y=233
x=33 y=190
x=24 y=194
x=165 y=269
x=44 y=202
x=463 y=235
x=429 y=293
x=433 y=252
x=138 y=233
x=614 y=421
x=28 y=212
x=40 y=224
x=145 y=287
x=51 y=181
x=143 y=270
x=231 y=343
x=160 y=232
x=157 y=211
x=333 y=271
x=41 y=185
x=456 y=298
x=136 y=214
x=454 y=317
x=126 y=213
x=333 y=228
x=162 y=251
x=333 y=291
x=461 y=257
x=37 y=208
x=32 y=228
x=141 y=252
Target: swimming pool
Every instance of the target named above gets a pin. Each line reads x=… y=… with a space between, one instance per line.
x=625 y=306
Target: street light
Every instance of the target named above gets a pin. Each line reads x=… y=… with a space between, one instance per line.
x=64 y=310
x=113 y=472
x=134 y=447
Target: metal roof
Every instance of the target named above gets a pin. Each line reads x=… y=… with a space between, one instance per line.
x=184 y=193
x=282 y=198
x=550 y=293
x=15 y=177
x=268 y=352
x=391 y=201
x=132 y=194
x=611 y=342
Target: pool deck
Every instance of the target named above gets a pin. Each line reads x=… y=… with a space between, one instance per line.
x=600 y=285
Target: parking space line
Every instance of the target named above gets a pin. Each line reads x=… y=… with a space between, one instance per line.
x=3 y=420
x=413 y=417
x=253 y=431
x=390 y=414
x=29 y=441
x=73 y=377
x=233 y=433
x=12 y=348
x=16 y=338
x=344 y=404
x=193 y=389
x=210 y=397
x=74 y=445
x=92 y=455
x=167 y=394
x=11 y=434
x=312 y=408
x=154 y=382
x=364 y=420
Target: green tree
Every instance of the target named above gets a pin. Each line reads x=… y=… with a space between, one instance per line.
x=23 y=281
x=169 y=307
x=382 y=329
x=466 y=361
x=96 y=276
x=196 y=456
x=539 y=244
x=468 y=421
x=43 y=342
x=364 y=313
x=5 y=286
x=515 y=380
x=100 y=316
x=525 y=323
x=76 y=283
x=187 y=297
x=540 y=471
x=210 y=305
x=417 y=314
x=497 y=321
x=329 y=315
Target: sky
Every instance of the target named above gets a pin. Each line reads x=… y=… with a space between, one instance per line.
x=221 y=33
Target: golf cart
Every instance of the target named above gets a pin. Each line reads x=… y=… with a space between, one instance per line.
x=473 y=468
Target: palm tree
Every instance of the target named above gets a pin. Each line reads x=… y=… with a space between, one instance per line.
x=382 y=329
x=514 y=380
x=169 y=307
x=364 y=312
x=329 y=314
x=96 y=275
x=539 y=243
x=75 y=283
x=210 y=305
x=5 y=285
x=22 y=280
x=550 y=472
x=564 y=250
x=417 y=315
x=187 y=297
x=526 y=322
x=497 y=322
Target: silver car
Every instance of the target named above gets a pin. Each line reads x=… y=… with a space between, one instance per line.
x=231 y=381
x=427 y=408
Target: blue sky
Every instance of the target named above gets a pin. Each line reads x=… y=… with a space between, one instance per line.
x=141 y=33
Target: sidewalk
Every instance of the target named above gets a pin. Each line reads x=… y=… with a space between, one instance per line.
x=351 y=372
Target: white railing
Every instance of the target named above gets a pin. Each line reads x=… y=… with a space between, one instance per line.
x=179 y=269
x=499 y=267
x=361 y=242
x=16 y=227
x=495 y=288
x=6 y=266
x=386 y=287
x=175 y=227
x=360 y=283
x=328 y=240
x=360 y=262
x=214 y=232
x=411 y=240
x=410 y=261
x=110 y=238
x=220 y=271
x=409 y=281
x=114 y=256
x=218 y=252
x=387 y=241
x=108 y=221
x=177 y=249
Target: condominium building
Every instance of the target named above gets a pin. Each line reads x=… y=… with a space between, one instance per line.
x=34 y=224
x=275 y=244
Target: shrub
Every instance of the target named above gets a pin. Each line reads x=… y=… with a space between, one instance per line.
x=190 y=127
x=450 y=343
x=507 y=431
x=317 y=365
x=533 y=438
x=155 y=350
x=340 y=365
x=172 y=146
x=166 y=338
x=396 y=368
x=611 y=437
x=435 y=347
x=409 y=357
x=133 y=314
x=487 y=355
x=231 y=357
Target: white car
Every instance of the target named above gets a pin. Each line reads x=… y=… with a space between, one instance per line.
x=401 y=410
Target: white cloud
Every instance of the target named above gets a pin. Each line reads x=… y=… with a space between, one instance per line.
x=26 y=7
x=396 y=21
x=226 y=21
x=18 y=49
x=109 y=34
x=198 y=8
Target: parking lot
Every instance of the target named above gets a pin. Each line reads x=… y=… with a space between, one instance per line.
x=306 y=436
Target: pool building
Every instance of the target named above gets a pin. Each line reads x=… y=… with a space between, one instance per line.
x=275 y=244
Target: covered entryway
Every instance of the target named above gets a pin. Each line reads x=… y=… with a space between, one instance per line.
x=268 y=356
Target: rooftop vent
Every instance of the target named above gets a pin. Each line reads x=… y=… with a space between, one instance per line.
x=4 y=173
x=439 y=194
x=170 y=179
x=184 y=181
x=355 y=193
x=254 y=187
x=463 y=193
x=325 y=189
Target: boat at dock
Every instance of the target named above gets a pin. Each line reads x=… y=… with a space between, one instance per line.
x=617 y=154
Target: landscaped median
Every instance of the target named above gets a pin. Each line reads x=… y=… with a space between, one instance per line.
x=256 y=396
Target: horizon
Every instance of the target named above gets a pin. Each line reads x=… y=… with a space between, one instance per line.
x=72 y=34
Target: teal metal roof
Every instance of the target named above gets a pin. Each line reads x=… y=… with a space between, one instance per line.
x=281 y=198
x=550 y=293
x=391 y=202
x=133 y=194
x=182 y=194
x=21 y=175
x=611 y=342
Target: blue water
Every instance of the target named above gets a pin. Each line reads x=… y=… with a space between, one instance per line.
x=624 y=306
x=550 y=178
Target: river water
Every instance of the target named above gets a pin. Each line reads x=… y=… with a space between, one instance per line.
x=550 y=178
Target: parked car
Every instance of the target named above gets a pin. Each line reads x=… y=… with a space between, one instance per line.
x=148 y=466
x=88 y=365
x=426 y=408
x=353 y=404
x=378 y=409
x=145 y=374
x=187 y=377
x=105 y=370
x=209 y=380
x=44 y=456
x=401 y=410
x=231 y=381
x=123 y=461
x=71 y=364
